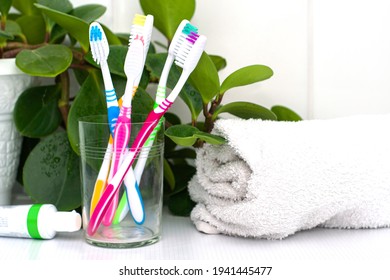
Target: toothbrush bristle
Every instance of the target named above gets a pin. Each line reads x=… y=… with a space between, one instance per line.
x=192 y=37
x=139 y=20
x=98 y=43
x=189 y=28
x=183 y=47
x=95 y=34
x=142 y=29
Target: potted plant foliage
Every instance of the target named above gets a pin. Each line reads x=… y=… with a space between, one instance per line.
x=47 y=115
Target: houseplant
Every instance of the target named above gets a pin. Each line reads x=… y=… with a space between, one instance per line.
x=50 y=172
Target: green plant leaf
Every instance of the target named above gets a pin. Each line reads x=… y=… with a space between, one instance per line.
x=89 y=101
x=36 y=111
x=76 y=27
x=219 y=62
x=182 y=134
x=205 y=78
x=64 y=6
x=116 y=60
x=51 y=173
x=186 y=135
x=26 y=7
x=5 y=35
x=47 y=61
x=5 y=6
x=210 y=138
x=142 y=102
x=168 y=13
x=89 y=13
x=245 y=76
x=190 y=96
x=33 y=27
x=245 y=110
x=180 y=203
x=181 y=153
x=13 y=28
x=168 y=175
x=285 y=114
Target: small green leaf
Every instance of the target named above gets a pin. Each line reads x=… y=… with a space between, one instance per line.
x=245 y=76
x=210 y=138
x=5 y=6
x=13 y=28
x=47 y=61
x=205 y=78
x=168 y=175
x=33 y=27
x=6 y=35
x=36 y=111
x=182 y=134
x=89 y=13
x=245 y=110
x=219 y=62
x=51 y=173
x=285 y=114
x=186 y=135
x=168 y=13
x=76 y=27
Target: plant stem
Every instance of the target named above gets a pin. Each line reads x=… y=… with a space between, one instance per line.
x=209 y=122
x=63 y=103
x=14 y=48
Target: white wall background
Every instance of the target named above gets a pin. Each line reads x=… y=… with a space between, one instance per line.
x=330 y=58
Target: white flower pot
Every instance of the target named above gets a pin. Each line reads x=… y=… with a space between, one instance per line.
x=12 y=83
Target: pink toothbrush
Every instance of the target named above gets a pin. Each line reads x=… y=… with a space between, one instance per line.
x=187 y=57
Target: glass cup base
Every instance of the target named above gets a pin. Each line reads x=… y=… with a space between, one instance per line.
x=123 y=237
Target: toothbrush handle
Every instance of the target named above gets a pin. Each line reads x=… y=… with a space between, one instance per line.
x=102 y=178
x=121 y=139
x=101 y=208
x=111 y=99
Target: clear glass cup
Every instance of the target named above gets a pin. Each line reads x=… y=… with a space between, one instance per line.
x=94 y=138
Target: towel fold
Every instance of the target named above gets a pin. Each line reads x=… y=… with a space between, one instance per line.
x=273 y=179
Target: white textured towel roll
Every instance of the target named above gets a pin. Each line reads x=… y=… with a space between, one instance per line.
x=275 y=178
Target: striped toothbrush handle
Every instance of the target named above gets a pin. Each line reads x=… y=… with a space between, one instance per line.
x=121 y=139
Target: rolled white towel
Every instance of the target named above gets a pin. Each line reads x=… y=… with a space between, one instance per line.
x=332 y=173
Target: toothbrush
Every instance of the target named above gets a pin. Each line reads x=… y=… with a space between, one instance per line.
x=133 y=68
x=100 y=51
x=185 y=27
x=134 y=64
x=132 y=199
x=187 y=57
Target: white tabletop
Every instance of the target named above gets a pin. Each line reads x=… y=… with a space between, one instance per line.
x=181 y=241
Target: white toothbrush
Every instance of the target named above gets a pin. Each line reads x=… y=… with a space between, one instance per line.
x=134 y=64
x=141 y=30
